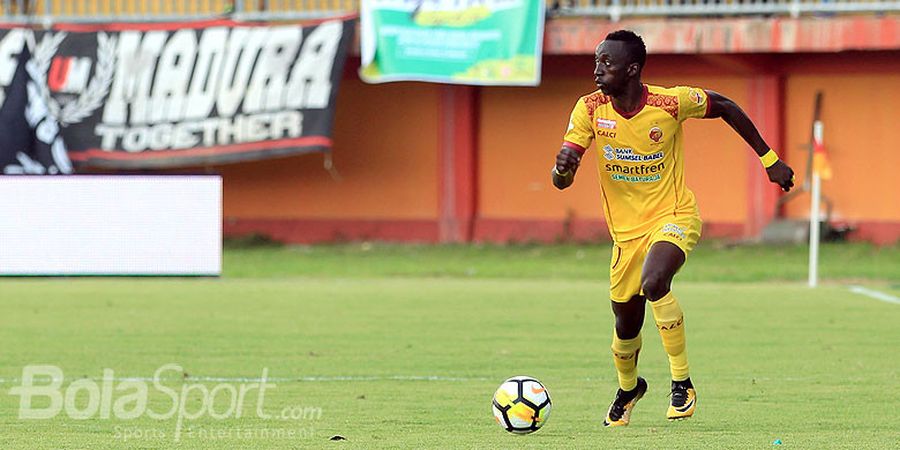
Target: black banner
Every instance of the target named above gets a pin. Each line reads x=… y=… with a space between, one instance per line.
x=30 y=141
x=159 y=95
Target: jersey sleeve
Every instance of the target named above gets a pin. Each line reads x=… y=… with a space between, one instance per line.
x=693 y=103
x=580 y=131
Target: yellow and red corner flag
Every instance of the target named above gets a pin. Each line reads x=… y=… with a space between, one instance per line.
x=821 y=165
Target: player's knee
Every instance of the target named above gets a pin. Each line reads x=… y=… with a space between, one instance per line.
x=655 y=286
x=627 y=328
x=629 y=317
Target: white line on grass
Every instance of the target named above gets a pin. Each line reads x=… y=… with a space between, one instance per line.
x=278 y=379
x=875 y=294
x=40 y=380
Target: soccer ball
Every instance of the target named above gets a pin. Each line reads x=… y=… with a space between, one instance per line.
x=521 y=405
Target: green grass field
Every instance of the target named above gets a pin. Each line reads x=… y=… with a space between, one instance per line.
x=402 y=347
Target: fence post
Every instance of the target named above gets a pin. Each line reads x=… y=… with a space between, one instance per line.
x=615 y=10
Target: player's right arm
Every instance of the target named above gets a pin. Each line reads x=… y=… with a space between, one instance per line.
x=720 y=106
x=578 y=138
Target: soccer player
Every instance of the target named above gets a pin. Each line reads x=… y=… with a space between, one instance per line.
x=651 y=214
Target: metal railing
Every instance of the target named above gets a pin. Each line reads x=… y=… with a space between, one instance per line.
x=163 y=10
x=150 y=10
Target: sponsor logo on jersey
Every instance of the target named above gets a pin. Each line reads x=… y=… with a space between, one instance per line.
x=695 y=96
x=606 y=123
x=608 y=134
x=628 y=154
x=636 y=179
x=609 y=153
x=656 y=134
x=640 y=173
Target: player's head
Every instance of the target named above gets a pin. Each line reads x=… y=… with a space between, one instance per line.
x=619 y=59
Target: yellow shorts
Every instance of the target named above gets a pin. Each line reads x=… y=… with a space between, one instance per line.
x=627 y=261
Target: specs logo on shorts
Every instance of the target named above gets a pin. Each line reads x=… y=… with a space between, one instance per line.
x=670 y=229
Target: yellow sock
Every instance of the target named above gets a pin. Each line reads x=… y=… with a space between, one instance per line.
x=625 y=354
x=670 y=322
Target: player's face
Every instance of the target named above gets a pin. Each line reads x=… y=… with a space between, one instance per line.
x=611 y=61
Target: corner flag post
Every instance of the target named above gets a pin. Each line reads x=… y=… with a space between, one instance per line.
x=814 y=218
x=821 y=170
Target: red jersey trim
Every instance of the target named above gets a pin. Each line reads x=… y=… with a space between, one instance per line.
x=592 y=101
x=639 y=108
x=575 y=147
x=667 y=103
x=708 y=104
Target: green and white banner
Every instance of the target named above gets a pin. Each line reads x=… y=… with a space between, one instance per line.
x=476 y=42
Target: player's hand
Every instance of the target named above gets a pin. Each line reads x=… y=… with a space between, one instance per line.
x=563 y=173
x=782 y=175
x=567 y=161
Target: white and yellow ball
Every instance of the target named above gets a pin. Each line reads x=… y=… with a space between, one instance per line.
x=521 y=405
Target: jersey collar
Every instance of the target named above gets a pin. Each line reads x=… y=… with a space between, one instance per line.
x=629 y=114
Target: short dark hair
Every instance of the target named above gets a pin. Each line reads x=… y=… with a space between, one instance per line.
x=633 y=43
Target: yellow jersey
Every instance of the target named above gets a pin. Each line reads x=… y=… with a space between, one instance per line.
x=640 y=155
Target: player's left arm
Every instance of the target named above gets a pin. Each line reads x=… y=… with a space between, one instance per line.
x=723 y=107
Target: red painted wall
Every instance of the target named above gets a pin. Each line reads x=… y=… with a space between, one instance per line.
x=385 y=141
